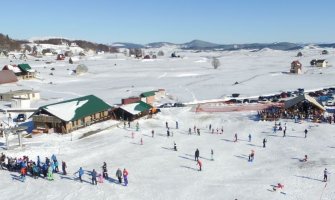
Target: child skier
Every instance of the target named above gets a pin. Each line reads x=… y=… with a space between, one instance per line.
x=125 y=177
x=200 y=164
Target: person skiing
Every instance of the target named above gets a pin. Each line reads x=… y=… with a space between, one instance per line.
x=100 y=178
x=152 y=133
x=200 y=164
x=119 y=175
x=168 y=132
x=189 y=131
x=137 y=126
x=94 y=177
x=23 y=173
x=251 y=156
x=166 y=125
x=56 y=166
x=284 y=132
x=64 y=167
x=80 y=173
x=50 y=174
x=305 y=158
x=125 y=177
x=306 y=133
x=212 y=154
x=196 y=155
x=210 y=127
x=198 y=131
x=104 y=171
x=249 y=137
x=325 y=175
x=141 y=141
x=235 y=136
x=264 y=142
x=177 y=125
x=175 y=146
x=38 y=161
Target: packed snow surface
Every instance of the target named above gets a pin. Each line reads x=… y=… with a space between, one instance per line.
x=156 y=171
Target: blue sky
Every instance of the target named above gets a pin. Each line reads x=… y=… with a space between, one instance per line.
x=178 y=21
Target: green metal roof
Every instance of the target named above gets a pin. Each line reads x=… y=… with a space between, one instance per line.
x=24 y=67
x=87 y=105
x=148 y=94
x=141 y=106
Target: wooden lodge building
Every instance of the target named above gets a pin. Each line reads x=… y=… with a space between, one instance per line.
x=69 y=115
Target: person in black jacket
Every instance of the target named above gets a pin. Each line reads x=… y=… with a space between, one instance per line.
x=104 y=171
x=196 y=155
x=119 y=175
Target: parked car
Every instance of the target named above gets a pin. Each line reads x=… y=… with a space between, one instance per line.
x=21 y=117
x=166 y=105
x=178 y=105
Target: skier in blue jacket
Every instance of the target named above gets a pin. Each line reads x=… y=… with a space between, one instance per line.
x=80 y=173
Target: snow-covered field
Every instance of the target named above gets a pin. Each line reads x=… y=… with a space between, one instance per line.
x=155 y=170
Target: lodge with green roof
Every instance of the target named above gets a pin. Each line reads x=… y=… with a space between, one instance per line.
x=132 y=111
x=69 y=115
x=26 y=71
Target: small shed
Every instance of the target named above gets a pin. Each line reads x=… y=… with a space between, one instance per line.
x=321 y=63
x=148 y=97
x=130 y=100
x=7 y=76
x=133 y=111
x=27 y=72
x=296 y=67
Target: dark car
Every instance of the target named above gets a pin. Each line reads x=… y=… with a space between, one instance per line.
x=178 y=105
x=21 y=118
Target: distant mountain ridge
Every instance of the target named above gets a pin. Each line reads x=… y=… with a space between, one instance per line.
x=7 y=43
x=204 y=45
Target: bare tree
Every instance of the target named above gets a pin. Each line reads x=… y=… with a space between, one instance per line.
x=215 y=63
x=160 y=53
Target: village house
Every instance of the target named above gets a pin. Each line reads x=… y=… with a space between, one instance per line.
x=7 y=76
x=148 y=97
x=70 y=115
x=321 y=63
x=20 y=94
x=296 y=67
x=26 y=71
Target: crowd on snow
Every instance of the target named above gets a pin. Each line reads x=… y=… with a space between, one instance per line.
x=25 y=166
x=276 y=113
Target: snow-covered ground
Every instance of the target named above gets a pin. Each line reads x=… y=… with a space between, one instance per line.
x=155 y=170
